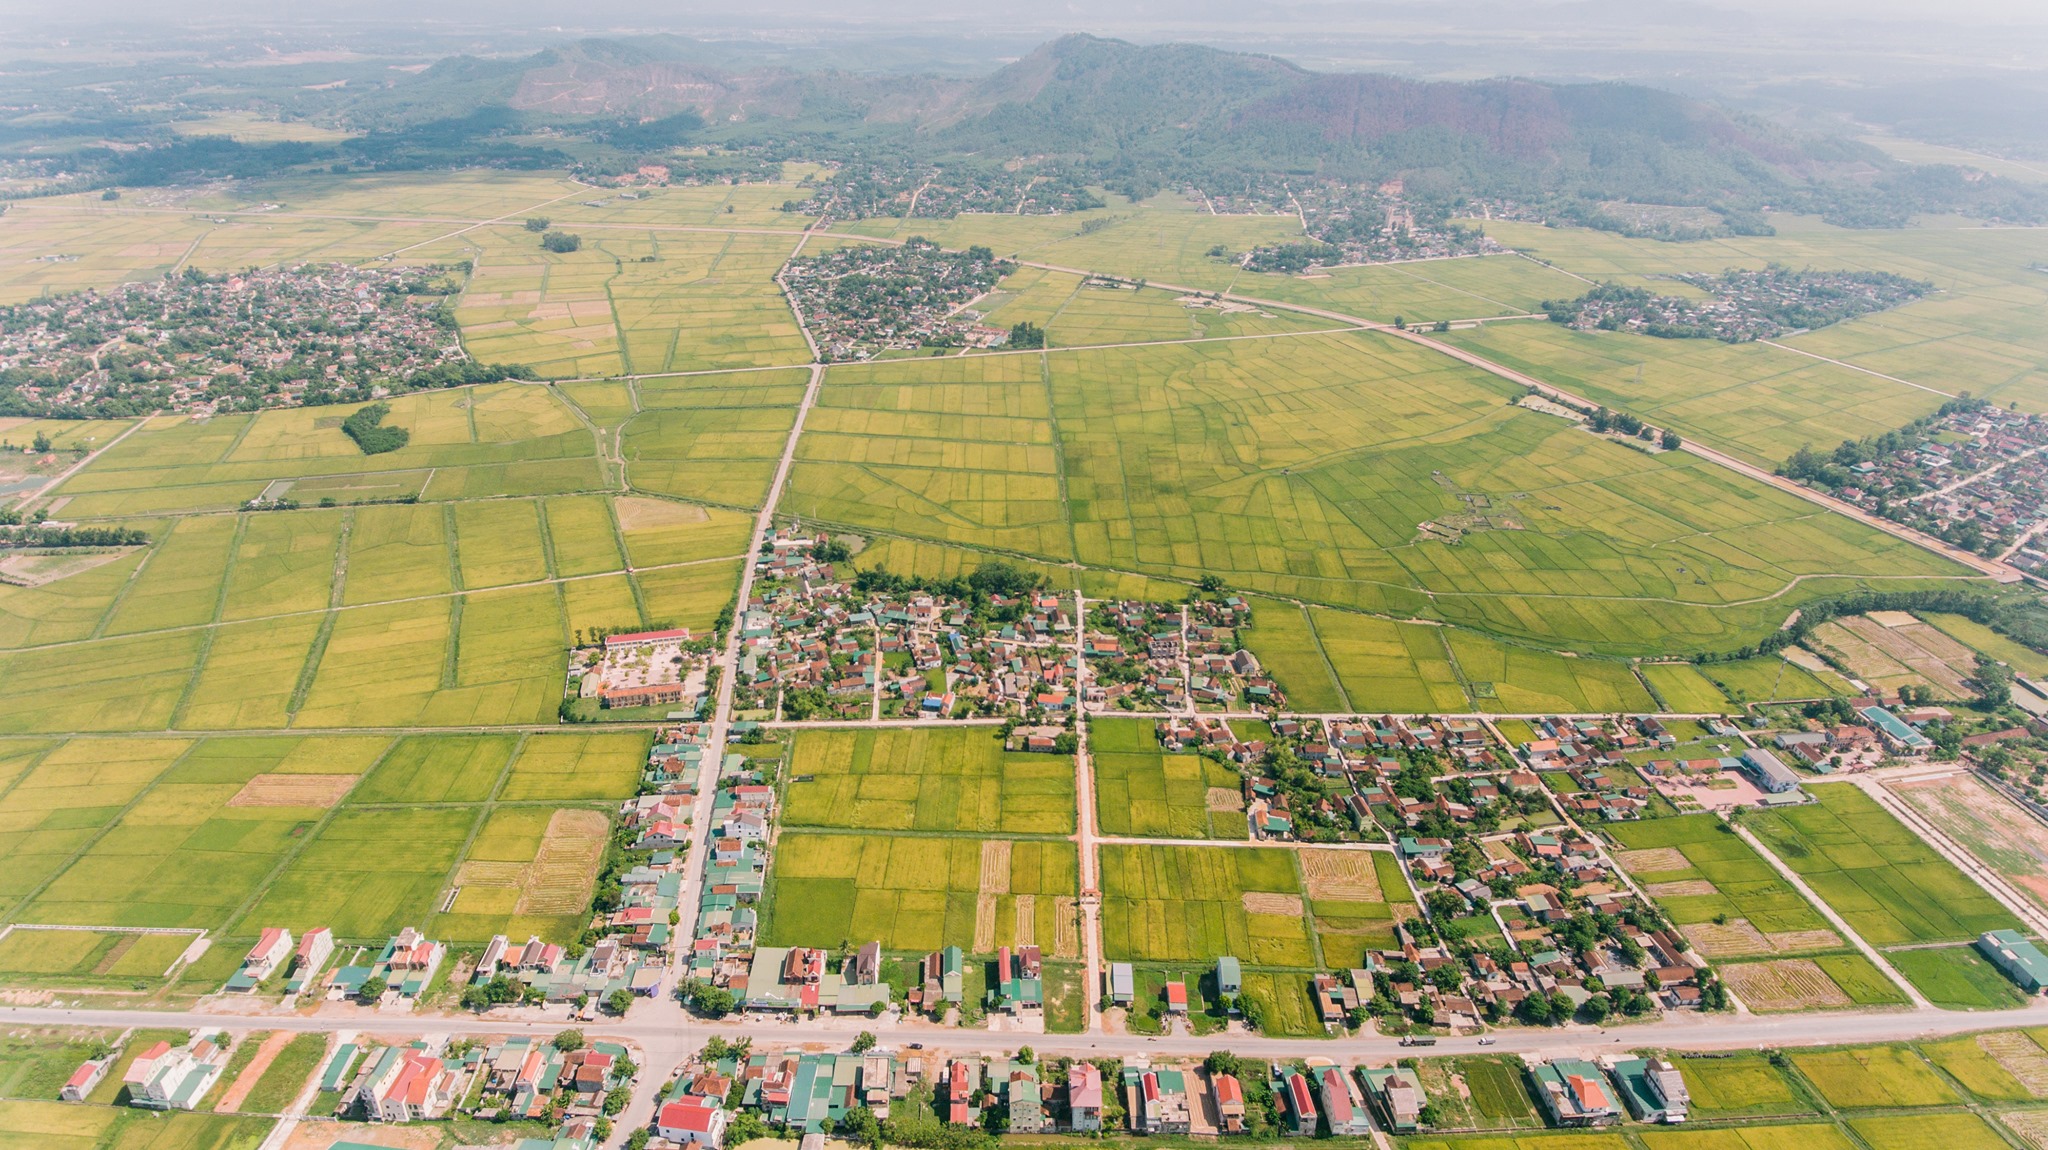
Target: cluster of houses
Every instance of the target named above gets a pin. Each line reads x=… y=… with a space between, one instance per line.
x=196 y=343
x=642 y=669
x=404 y=966
x=1173 y=656
x=813 y=647
x=1983 y=467
x=735 y=867
x=549 y=973
x=275 y=953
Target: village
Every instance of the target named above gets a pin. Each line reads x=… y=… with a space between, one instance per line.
x=1741 y=305
x=861 y=300
x=201 y=344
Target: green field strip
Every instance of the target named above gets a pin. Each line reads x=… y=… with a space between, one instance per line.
x=99 y=629
x=1656 y=696
x=547 y=539
x=451 y=661
x=314 y=654
x=14 y=909
x=1052 y=419
x=339 y=583
x=220 y=606
x=1316 y=640
x=449 y=532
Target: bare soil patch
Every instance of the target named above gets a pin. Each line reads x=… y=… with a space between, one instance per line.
x=637 y=514
x=1225 y=799
x=239 y=1089
x=1783 y=984
x=562 y=875
x=1653 y=860
x=1683 y=887
x=1266 y=902
x=36 y=570
x=279 y=790
x=1731 y=939
x=1786 y=941
x=1987 y=825
x=1341 y=875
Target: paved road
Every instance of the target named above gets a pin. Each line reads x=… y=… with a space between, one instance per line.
x=666 y=1041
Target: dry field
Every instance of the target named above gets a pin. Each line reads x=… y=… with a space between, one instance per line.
x=1683 y=887
x=560 y=879
x=1266 y=902
x=288 y=790
x=1652 y=860
x=1343 y=876
x=1892 y=649
x=1988 y=825
x=1783 y=984
x=638 y=514
x=2022 y=1058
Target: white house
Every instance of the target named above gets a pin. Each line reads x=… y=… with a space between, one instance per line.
x=692 y=1121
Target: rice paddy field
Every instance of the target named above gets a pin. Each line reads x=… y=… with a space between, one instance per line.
x=1992 y=828
x=1889 y=885
x=947 y=780
x=1719 y=892
x=918 y=893
x=1742 y=1085
x=1185 y=903
x=1143 y=792
x=1873 y=1077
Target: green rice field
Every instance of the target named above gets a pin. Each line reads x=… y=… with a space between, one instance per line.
x=1177 y=903
x=958 y=779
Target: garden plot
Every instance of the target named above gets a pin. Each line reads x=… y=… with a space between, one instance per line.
x=531 y=870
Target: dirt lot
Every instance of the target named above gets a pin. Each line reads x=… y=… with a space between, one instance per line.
x=1988 y=825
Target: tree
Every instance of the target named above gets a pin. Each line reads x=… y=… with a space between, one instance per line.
x=1026 y=1055
x=41 y=445
x=637 y=1140
x=860 y=1127
x=710 y=1001
x=568 y=1040
x=1441 y=325
x=537 y=223
x=1213 y=584
x=561 y=241
x=615 y=1100
x=746 y=1126
x=619 y=1001
x=1671 y=441
x=373 y=988
x=863 y=1042
x=1026 y=335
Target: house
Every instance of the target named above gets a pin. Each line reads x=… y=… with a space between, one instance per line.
x=163 y=1078
x=1176 y=997
x=1398 y=1095
x=1653 y=1089
x=407 y=1085
x=272 y=947
x=2019 y=959
x=1084 y=1098
x=1158 y=1102
x=1343 y=1105
x=692 y=1121
x=1123 y=984
x=84 y=1078
x=1229 y=1095
x=1229 y=977
x=1025 y=1103
x=1574 y=1093
x=316 y=946
x=1301 y=1106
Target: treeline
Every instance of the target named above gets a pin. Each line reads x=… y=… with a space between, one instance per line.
x=36 y=535
x=1970 y=605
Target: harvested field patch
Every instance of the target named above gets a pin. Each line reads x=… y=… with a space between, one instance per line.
x=1225 y=799
x=639 y=514
x=1266 y=902
x=1783 y=984
x=1027 y=920
x=1786 y=941
x=2022 y=1058
x=1731 y=939
x=283 y=790
x=1652 y=860
x=1988 y=825
x=995 y=866
x=562 y=874
x=984 y=923
x=1342 y=875
x=1691 y=886
x=1067 y=929
x=2030 y=1125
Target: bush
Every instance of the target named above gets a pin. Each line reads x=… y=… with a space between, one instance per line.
x=561 y=241
x=537 y=223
